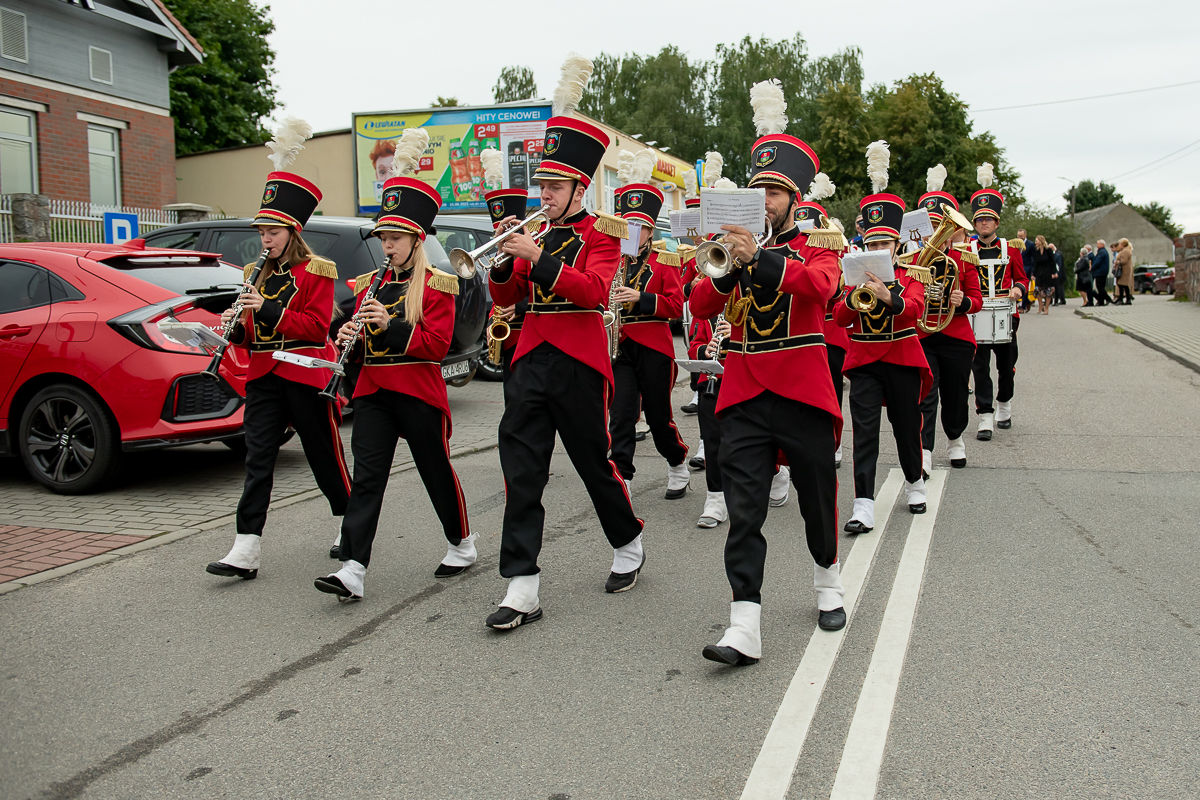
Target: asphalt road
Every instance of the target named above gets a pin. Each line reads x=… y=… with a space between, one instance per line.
x=1047 y=646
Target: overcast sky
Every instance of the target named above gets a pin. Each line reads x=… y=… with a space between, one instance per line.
x=375 y=55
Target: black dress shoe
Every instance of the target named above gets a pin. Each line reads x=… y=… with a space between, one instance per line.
x=675 y=494
x=696 y=463
x=335 y=552
x=833 y=620
x=1004 y=424
x=331 y=584
x=230 y=571
x=639 y=436
x=505 y=618
x=448 y=571
x=984 y=436
x=958 y=463
x=623 y=581
x=916 y=508
x=690 y=408
x=854 y=527
x=727 y=655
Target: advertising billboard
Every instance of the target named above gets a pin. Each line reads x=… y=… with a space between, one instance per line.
x=451 y=163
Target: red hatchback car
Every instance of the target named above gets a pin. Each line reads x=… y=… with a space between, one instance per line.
x=85 y=373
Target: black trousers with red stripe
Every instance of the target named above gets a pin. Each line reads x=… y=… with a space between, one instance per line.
x=1006 y=371
x=950 y=362
x=644 y=379
x=871 y=386
x=381 y=419
x=273 y=403
x=551 y=392
x=837 y=357
x=752 y=434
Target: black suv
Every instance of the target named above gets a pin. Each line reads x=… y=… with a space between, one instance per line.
x=1144 y=276
x=347 y=241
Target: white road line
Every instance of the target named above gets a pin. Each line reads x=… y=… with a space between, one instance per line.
x=772 y=772
x=862 y=755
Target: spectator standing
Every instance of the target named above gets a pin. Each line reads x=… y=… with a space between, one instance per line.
x=857 y=241
x=1044 y=272
x=1083 y=276
x=1124 y=272
x=1060 y=283
x=1100 y=265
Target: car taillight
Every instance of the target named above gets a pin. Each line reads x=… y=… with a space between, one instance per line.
x=141 y=327
x=350 y=282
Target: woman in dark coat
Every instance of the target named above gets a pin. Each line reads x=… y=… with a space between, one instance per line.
x=1083 y=276
x=1045 y=270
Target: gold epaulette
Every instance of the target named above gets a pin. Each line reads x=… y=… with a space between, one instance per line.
x=322 y=267
x=666 y=257
x=921 y=274
x=362 y=282
x=964 y=252
x=904 y=259
x=827 y=239
x=442 y=281
x=613 y=226
x=685 y=251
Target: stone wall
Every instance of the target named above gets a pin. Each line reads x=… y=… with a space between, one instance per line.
x=1187 y=266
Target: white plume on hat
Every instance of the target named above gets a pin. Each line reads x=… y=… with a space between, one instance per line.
x=643 y=166
x=878 y=160
x=714 y=162
x=724 y=183
x=689 y=184
x=935 y=178
x=288 y=142
x=770 y=109
x=820 y=188
x=985 y=175
x=409 y=149
x=624 y=167
x=493 y=167
x=576 y=72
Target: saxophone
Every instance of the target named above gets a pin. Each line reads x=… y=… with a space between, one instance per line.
x=612 y=317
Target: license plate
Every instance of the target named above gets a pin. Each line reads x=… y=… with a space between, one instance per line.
x=456 y=369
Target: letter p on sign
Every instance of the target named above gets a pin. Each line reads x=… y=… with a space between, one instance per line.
x=119 y=228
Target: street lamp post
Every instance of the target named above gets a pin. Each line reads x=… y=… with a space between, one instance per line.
x=1073 y=184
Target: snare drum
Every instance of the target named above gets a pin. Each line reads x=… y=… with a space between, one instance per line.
x=993 y=324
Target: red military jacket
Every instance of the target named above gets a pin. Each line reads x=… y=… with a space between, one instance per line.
x=887 y=334
x=295 y=316
x=567 y=289
x=648 y=321
x=777 y=343
x=968 y=283
x=1013 y=273
x=406 y=357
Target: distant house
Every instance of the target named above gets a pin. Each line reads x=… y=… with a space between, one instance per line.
x=85 y=101
x=1117 y=220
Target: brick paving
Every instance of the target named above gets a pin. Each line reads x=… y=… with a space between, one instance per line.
x=26 y=551
x=1171 y=327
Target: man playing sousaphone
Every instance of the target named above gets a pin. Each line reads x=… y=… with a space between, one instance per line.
x=776 y=392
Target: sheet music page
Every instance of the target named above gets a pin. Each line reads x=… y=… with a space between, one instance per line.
x=629 y=247
x=685 y=224
x=744 y=207
x=855 y=266
x=916 y=222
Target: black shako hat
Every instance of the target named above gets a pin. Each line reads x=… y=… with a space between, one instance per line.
x=287 y=202
x=783 y=160
x=408 y=205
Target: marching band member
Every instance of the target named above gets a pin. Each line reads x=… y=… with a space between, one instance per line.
x=503 y=204
x=950 y=351
x=644 y=370
x=400 y=392
x=706 y=345
x=837 y=338
x=885 y=363
x=290 y=310
x=562 y=379
x=775 y=392
x=986 y=205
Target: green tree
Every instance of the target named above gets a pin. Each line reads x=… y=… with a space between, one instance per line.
x=1159 y=216
x=223 y=101
x=1089 y=195
x=845 y=132
x=514 y=83
x=445 y=102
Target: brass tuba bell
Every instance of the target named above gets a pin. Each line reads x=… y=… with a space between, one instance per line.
x=944 y=272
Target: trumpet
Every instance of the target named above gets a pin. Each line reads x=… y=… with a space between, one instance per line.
x=715 y=260
x=498 y=330
x=214 y=366
x=943 y=272
x=863 y=299
x=488 y=256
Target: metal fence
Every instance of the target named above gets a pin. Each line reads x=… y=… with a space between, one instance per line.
x=75 y=221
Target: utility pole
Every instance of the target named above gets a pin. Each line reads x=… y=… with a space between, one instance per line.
x=1072 y=205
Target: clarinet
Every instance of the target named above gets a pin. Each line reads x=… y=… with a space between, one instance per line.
x=710 y=385
x=335 y=383
x=213 y=366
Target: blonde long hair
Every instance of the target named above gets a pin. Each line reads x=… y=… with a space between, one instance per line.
x=418 y=262
x=1040 y=241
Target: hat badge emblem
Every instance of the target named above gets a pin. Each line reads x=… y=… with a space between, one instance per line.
x=271 y=190
x=765 y=156
x=497 y=208
x=875 y=214
x=552 y=140
x=634 y=199
x=391 y=200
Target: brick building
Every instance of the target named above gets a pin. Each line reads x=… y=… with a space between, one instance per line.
x=1187 y=266
x=85 y=102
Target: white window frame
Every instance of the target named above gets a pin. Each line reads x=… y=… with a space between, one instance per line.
x=116 y=161
x=111 y=65
x=32 y=138
x=25 y=20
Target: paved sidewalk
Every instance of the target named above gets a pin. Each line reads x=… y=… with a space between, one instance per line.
x=26 y=551
x=1170 y=327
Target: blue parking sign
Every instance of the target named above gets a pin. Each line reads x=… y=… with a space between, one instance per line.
x=119 y=228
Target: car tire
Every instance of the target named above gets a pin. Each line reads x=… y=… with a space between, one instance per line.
x=1153 y=290
x=90 y=455
x=487 y=371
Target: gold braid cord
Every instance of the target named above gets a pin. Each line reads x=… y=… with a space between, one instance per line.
x=735 y=311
